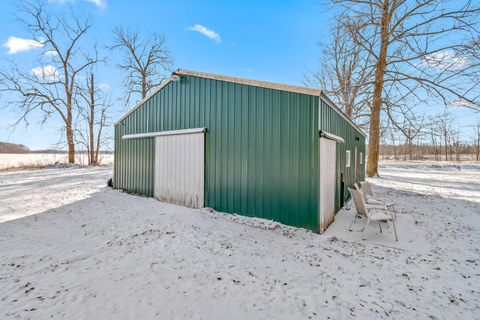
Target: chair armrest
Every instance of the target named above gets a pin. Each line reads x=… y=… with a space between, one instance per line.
x=386 y=201
x=385 y=210
x=379 y=206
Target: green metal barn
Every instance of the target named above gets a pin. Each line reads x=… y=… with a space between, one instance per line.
x=254 y=148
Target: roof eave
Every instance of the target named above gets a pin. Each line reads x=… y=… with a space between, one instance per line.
x=162 y=85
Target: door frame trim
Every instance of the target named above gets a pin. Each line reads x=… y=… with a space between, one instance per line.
x=336 y=139
x=321 y=215
x=163 y=133
x=331 y=136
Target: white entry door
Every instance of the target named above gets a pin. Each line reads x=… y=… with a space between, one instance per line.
x=327 y=182
x=179 y=169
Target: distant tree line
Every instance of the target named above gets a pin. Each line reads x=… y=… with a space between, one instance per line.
x=436 y=138
x=6 y=147
x=458 y=151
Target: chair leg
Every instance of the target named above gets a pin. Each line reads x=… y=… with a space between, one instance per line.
x=392 y=208
x=351 y=223
x=380 y=225
x=394 y=230
x=368 y=221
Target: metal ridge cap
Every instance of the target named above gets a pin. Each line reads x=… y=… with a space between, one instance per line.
x=252 y=82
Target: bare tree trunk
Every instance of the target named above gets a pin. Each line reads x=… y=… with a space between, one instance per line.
x=452 y=150
x=99 y=136
x=440 y=150
x=410 y=149
x=446 y=147
x=457 y=151
x=94 y=112
x=91 y=121
x=478 y=142
x=144 y=85
x=394 y=146
x=373 y=144
x=434 y=143
x=70 y=142
x=69 y=129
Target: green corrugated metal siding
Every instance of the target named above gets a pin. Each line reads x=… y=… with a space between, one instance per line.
x=333 y=122
x=261 y=147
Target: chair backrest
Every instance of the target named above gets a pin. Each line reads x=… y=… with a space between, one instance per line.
x=358 y=200
x=366 y=188
x=357 y=187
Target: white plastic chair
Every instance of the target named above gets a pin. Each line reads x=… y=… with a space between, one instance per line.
x=370 y=199
x=378 y=214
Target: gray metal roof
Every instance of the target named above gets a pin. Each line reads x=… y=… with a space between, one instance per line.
x=257 y=83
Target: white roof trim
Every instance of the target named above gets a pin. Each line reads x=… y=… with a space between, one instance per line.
x=257 y=83
x=139 y=103
x=331 y=136
x=163 y=133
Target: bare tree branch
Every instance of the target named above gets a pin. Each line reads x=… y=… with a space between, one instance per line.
x=49 y=88
x=146 y=60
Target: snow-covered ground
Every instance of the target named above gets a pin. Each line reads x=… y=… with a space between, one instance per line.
x=70 y=248
x=15 y=160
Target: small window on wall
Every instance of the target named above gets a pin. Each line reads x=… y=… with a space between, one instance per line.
x=361 y=157
x=347 y=160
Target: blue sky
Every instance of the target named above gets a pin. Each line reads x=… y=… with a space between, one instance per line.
x=267 y=40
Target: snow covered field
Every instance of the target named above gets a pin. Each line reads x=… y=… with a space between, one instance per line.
x=10 y=160
x=70 y=248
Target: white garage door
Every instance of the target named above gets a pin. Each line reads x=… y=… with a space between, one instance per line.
x=179 y=169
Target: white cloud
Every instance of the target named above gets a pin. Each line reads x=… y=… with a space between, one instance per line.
x=206 y=32
x=16 y=45
x=103 y=86
x=446 y=59
x=462 y=103
x=50 y=53
x=48 y=73
x=101 y=4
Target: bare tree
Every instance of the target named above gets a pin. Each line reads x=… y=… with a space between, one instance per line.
x=419 y=51
x=345 y=73
x=393 y=139
x=455 y=146
x=146 y=60
x=50 y=87
x=445 y=129
x=431 y=127
x=403 y=119
x=93 y=106
x=477 y=143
